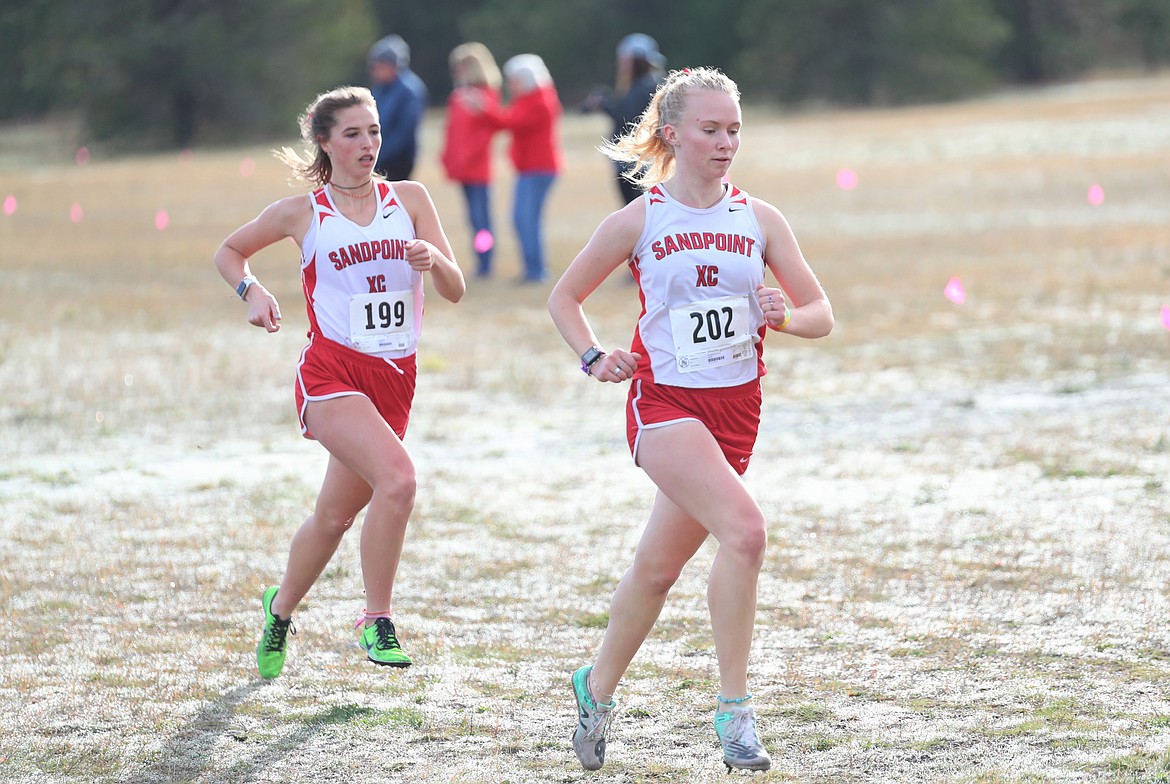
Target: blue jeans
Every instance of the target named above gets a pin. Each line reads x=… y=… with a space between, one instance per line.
x=479 y=213
x=531 y=191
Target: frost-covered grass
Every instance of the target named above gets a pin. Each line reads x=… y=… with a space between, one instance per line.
x=969 y=537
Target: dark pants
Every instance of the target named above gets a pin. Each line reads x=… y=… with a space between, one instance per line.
x=627 y=189
x=480 y=216
x=531 y=190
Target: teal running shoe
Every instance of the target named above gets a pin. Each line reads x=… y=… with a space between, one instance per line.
x=273 y=645
x=736 y=729
x=592 y=722
x=381 y=644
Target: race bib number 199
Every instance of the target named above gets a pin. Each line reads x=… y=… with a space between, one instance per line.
x=383 y=321
x=711 y=333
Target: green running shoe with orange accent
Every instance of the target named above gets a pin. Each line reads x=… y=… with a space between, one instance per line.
x=273 y=645
x=381 y=644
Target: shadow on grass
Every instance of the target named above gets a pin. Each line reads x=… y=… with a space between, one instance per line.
x=187 y=755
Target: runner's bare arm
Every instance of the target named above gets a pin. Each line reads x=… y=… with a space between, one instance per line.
x=432 y=252
x=288 y=217
x=608 y=248
x=811 y=315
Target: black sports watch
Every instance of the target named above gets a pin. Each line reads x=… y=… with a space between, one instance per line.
x=590 y=358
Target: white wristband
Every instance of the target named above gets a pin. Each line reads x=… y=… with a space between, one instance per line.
x=245 y=284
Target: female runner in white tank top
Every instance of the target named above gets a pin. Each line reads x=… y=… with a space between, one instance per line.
x=365 y=244
x=698 y=248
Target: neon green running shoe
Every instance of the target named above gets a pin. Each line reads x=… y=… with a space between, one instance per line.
x=381 y=644
x=592 y=722
x=742 y=749
x=273 y=646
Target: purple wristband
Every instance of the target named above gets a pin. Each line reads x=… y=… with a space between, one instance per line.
x=587 y=369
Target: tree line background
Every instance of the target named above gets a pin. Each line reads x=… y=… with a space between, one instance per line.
x=172 y=73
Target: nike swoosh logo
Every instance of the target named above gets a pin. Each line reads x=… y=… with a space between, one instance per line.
x=388 y=212
x=734 y=209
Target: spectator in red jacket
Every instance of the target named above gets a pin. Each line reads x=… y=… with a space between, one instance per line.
x=467 y=152
x=533 y=117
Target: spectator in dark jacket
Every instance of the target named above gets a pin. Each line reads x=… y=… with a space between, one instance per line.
x=402 y=98
x=640 y=69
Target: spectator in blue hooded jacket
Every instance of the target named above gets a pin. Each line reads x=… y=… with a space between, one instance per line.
x=402 y=98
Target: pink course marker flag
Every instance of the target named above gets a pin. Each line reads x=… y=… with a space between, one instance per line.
x=1166 y=316
x=1096 y=195
x=954 y=291
x=76 y=213
x=483 y=241
x=846 y=179
x=82 y=156
x=9 y=204
x=161 y=220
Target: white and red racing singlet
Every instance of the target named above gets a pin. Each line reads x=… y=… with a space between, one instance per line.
x=360 y=291
x=697 y=271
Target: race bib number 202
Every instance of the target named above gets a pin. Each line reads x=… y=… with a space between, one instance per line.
x=711 y=333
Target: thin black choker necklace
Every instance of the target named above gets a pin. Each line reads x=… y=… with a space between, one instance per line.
x=350 y=187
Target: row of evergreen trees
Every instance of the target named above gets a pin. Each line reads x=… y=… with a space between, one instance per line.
x=177 y=72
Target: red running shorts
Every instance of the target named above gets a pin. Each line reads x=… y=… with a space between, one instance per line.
x=731 y=414
x=328 y=369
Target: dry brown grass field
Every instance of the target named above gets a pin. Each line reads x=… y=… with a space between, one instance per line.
x=969 y=549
